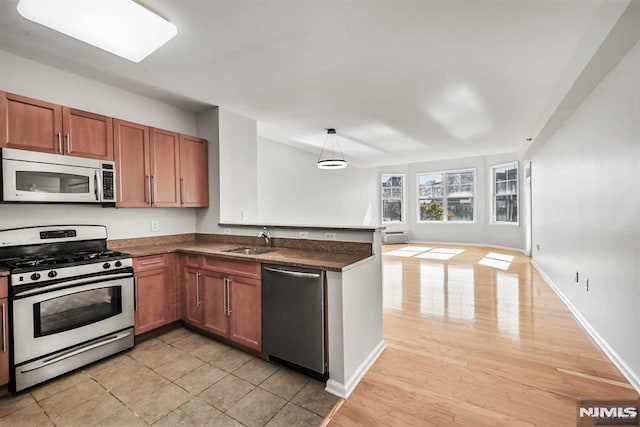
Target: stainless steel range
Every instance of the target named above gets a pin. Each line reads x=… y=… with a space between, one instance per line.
x=71 y=301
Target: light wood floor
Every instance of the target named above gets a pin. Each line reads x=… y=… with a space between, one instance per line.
x=474 y=345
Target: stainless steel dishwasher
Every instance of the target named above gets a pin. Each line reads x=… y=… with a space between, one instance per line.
x=293 y=316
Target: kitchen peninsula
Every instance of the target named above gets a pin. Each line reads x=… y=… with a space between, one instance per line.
x=353 y=283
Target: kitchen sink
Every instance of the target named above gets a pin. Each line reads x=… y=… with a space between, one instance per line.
x=249 y=251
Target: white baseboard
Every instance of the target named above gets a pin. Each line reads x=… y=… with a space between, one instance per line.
x=622 y=366
x=481 y=245
x=345 y=390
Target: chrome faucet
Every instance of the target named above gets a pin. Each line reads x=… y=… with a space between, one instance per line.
x=266 y=235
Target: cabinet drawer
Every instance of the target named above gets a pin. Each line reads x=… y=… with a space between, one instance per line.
x=194 y=261
x=150 y=262
x=240 y=268
x=4 y=287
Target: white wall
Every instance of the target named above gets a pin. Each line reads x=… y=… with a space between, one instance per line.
x=482 y=232
x=586 y=210
x=207 y=219
x=29 y=78
x=238 y=167
x=120 y=223
x=291 y=189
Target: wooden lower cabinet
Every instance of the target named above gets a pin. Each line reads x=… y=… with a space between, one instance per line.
x=156 y=296
x=228 y=305
x=245 y=306
x=191 y=303
x=214 y=317
x=4 y=331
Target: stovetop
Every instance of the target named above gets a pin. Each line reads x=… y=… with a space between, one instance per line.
x=42 y=262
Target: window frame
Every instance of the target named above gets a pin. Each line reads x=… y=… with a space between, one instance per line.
x=445 y=197
x=492 y=194
x=403 y=200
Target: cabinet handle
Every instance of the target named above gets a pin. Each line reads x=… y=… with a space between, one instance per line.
x=152 y=185
x=181 y=191
x=60 y=142
x=135 y=293
x=198 y=289
x=149 y=185
x=224 y=295
x=227 y=296
x=68 y=138
x=155 y=261
x=4 y=330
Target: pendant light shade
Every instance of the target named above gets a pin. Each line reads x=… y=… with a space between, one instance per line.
x=333 y=159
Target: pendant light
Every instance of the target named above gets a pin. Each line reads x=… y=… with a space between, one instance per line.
x=333 y=161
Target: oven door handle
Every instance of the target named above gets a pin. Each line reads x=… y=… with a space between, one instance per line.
x=104 y=341
x=70 y=283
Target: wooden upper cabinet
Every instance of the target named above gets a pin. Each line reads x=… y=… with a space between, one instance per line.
x=34 y=125
x=87 y=134
x=194 y=176
x=165 y=168
x=30 y=124
x=131 y=147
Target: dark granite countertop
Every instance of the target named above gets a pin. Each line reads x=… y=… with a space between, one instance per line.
x=322 y=260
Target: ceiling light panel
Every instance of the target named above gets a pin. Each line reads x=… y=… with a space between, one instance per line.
x=121 y=27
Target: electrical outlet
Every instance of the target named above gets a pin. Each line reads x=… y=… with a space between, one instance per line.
x=227 y=231
x=155 y=226
x=577 y=277
x=330 y=236
x=303 y=234
x=586 y=285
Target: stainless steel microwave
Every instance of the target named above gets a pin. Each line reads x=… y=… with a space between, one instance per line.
x=33 y=177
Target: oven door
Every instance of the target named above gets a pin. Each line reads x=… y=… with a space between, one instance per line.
x=58 y=316
x=30 y=181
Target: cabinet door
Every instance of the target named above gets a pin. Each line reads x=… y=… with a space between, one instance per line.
x=152 y=306
x=214 y=317
x=245 y=303
x=30 y=124
x=192 y=294
x=131 y=146
x=87 y=134
x=165 y=168
x=194 y=181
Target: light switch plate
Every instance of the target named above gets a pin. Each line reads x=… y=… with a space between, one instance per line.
x=303 y=234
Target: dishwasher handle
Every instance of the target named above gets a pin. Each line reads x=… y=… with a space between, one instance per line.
x=294 y=273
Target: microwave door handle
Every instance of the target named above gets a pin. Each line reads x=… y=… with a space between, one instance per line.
x=98 y=185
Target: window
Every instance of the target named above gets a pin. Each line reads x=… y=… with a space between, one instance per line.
x=451 y=192
x=392 y=198
x=505 y=194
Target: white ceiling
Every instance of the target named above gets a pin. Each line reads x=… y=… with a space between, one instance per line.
x=400 y=80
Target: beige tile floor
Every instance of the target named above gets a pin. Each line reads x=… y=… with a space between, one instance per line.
x=177 y=379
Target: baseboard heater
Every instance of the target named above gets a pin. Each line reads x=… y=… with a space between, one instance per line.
x=395 y=236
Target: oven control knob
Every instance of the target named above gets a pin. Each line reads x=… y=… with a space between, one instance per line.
x=118 y=264
x=35 y=276
x=106 y=265
x=52 y=273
